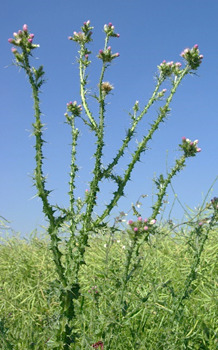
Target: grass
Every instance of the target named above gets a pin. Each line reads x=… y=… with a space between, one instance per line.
x=153 y=316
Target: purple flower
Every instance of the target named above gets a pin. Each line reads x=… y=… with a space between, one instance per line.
x=135 y=229
x=130 y=222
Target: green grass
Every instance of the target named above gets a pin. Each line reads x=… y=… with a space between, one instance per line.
x=153 y=318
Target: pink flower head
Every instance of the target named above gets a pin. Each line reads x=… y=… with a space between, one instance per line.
x=118 y=35
x=10 y=40
x=145 y=228
x=200 y=223
x=145 y=220
x=139 y=218
x=198 y=149
x=101 y=52
x=153 y=221
x=135 y=229
x=25 y=28
x=31 y=36
x=86 y=190
x=178 y=64
x=110 y=24
x=14 y=34
x=30 y=40
x=86 y=23
x=86 y=56
x=164 y=90
x=13 y=50
x=70 y=38
x=196 y=46
x=183 y=138
x=117 y=54
x=201 y=57
x=109 y=48
x=130 y=222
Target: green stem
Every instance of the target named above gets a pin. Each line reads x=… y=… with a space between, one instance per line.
x=82 y=70
x=131 y=130
x=180 y=163
x=141 y=148
x=38 y=175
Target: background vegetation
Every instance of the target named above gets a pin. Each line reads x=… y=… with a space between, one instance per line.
x=163 y=310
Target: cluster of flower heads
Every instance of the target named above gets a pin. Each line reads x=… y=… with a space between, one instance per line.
x=107 y=55
x=109 y=30
x=192 y=57
x=189 y=147
x=74 y=109
x=140 y=226
x=84 y=36
x=168 y=68
x=24 y=40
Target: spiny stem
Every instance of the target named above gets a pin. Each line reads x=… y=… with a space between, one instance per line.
x=131 y=130
x=180 y=163
x=141 y=148
x=39 y=178
x=82 y=70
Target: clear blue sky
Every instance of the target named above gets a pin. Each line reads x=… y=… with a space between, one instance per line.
x=150 y=31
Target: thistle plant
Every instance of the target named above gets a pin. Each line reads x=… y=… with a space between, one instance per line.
x=79 y=216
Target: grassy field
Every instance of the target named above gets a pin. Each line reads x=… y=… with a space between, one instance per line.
x=171 y=302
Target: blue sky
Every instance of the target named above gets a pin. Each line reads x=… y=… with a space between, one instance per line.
x=150 y=31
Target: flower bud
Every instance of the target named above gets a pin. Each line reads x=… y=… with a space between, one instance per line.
x=25 y=28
